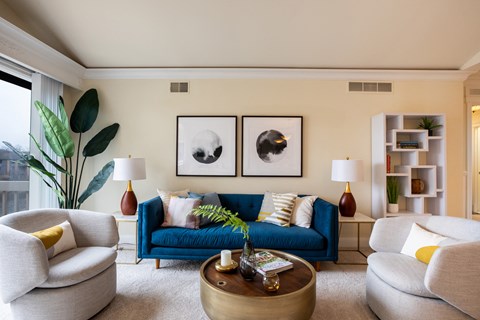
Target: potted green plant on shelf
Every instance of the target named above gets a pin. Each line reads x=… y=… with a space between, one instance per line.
x=429 y=124
x=57 y=134
x=392 y=194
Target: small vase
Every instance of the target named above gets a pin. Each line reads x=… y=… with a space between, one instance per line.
x=392 y=207
x=248 y=261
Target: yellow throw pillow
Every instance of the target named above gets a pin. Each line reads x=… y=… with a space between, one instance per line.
x=57 y=239
x=425 y=254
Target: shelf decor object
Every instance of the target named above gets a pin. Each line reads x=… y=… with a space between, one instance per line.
x=128 y=169
x=347 y=171
x=413 y=147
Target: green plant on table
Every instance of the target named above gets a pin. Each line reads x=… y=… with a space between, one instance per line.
x=57 y=133
x=392 y=189
x=429 y=124
x=221 y=214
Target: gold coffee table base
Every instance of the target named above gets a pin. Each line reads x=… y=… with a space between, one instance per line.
x=229 y=296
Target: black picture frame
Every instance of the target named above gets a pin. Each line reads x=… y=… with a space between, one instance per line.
x=272 y=146
x=206 y=146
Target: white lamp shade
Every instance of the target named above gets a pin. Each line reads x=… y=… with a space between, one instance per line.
x=129 y=169
x=347 y=170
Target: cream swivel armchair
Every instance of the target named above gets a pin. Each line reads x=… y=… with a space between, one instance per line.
x=76 y=283
x=402 y=287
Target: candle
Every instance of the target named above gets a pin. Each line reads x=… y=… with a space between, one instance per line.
x=226 y=258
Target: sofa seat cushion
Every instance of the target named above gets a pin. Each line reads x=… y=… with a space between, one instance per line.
x=400 y=271
x=263 y=235
x=77 y=265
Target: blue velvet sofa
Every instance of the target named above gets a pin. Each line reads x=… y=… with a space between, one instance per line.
x=314 y=244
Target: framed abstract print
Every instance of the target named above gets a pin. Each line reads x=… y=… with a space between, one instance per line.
x=206 y=146
x=272 y=146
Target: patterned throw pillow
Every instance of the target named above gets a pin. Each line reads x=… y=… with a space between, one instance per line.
x=421 y=244
x=302 y=211
x=277 y=208
x=179 y=213
x=57 y=239
x=166 y=195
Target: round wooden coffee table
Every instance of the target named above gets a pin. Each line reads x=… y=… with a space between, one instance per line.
x=229 y=296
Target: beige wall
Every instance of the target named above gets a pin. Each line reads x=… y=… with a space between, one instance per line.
x=336 y=125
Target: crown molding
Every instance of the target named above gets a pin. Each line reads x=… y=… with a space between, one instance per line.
x=25 y=50
x=276 y=73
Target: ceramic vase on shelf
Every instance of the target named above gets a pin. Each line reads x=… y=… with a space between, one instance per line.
x=248 y=261
x=392 y=207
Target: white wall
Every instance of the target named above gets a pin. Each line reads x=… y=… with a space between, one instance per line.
x=336 y=125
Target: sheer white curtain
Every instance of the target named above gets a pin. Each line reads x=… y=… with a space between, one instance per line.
x=47 y=91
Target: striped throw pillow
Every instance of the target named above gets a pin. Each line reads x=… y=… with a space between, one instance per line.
x=281 y=211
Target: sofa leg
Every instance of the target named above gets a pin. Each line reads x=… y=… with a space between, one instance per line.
x=316 y=265
x=157 y=263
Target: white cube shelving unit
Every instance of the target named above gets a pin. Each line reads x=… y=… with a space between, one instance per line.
x=414 y=154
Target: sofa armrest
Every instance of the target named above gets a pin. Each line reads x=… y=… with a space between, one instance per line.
x=23 y=263
x=325 y=222
x=93 y=228
x=453 y=276
x=389 y=234
x=150 y=217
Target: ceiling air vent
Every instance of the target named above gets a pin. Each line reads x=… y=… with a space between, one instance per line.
x=475 y=92
x=179 y=87
x=370 y=86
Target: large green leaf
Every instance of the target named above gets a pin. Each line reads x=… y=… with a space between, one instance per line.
x=47 y=157
x=85 y=112
x=30 y=161
x=63 y=114
x=100 y=141
x=58 y=137
x=97 y=182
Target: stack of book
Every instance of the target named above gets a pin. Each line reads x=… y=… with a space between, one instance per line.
x=407 y=145
x=268 y=262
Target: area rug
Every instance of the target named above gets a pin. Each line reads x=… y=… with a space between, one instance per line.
x=173 y=292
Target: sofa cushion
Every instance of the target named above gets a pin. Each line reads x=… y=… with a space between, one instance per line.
x=246 y=205
x=207 y=198
x=400 y=271
x=277 y=208
x=179 y=213
x=77 y=265
x=302 y=211
x=263 y=235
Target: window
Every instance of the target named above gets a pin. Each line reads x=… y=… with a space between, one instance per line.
x=15 y=108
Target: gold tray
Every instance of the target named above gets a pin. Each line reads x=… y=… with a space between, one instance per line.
x=230 y=268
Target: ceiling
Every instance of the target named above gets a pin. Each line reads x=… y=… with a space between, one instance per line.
x=339 y=34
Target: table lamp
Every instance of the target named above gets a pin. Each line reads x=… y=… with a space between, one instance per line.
x=128 y=169
x=347 y=171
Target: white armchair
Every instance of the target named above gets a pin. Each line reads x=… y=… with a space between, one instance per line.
x=401 y=287
x=75 y=284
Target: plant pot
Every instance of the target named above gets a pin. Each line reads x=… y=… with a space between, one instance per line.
x=392 y=207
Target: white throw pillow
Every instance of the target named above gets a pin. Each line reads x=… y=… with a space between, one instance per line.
x=166 y=195
x=419 y=238
x=302 y=211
